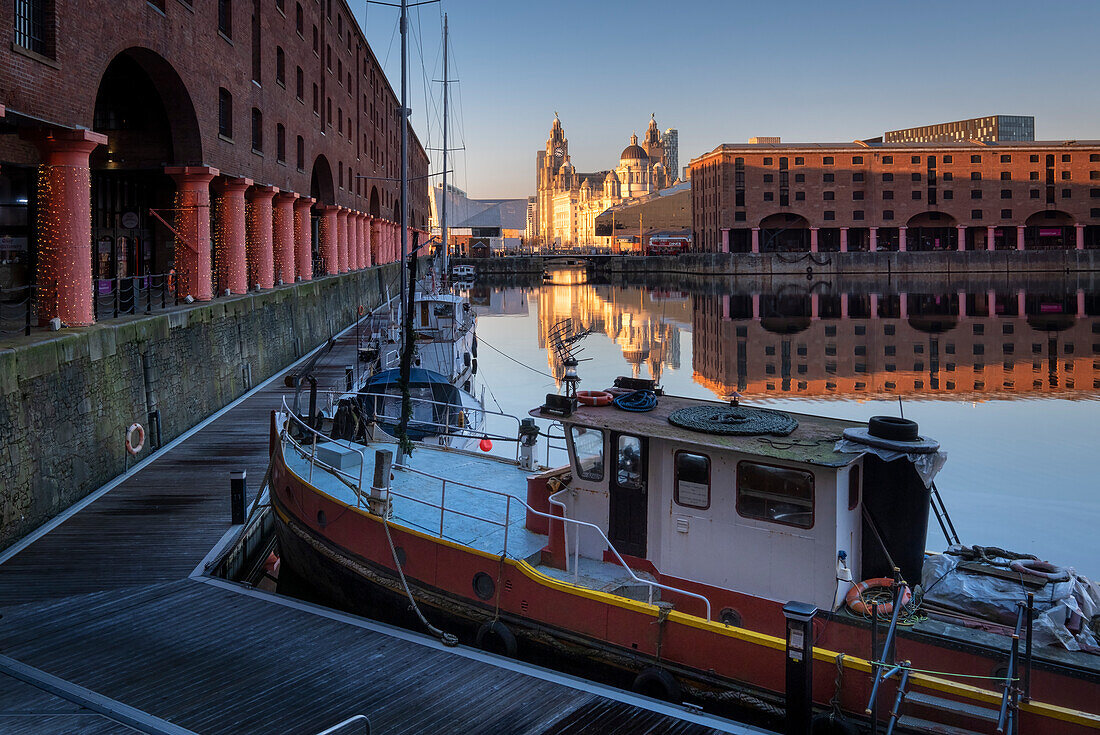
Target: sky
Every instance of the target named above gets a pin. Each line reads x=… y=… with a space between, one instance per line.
x=722 y=72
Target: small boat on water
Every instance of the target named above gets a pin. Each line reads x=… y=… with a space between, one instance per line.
x=666 y=549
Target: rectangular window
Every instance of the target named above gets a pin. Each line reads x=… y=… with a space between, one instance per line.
x=857 y=159
x=830 y=215
x=887 y=214
x=34 y=26
x=799 y=178
x=827 y=161
x=1006 y=193
x=300 y=85
x=948 y=176
x=916 y=195
x=1006 y=158
x=225 y=18
x=280 y=143
x=1065 y=158
x=301 y=154
x=1067 y=193
x=257 y=64
x=975 y=193
x=887 y=177
x=1094 y=193
x=1034 y=194
x=975 y=214
x=1006 y=214
x=1006 y=176
x=225 y=113
x=914 y=159
x=915 y=177
x=257 y=130
x=769 y=196
x=768 y=178
x=828 y=178
x=975 y=175
x=799 y=161
x=299 y=21
x=316 y=100
x=767 y=162
x=887 y=160
x=280 y=66
x=857 y=196
x=948 y=159
x=887 y=194
x=828 y=196
x=857 y=214
x=1065 y=176
x=1094 y=157
x=800 y=196
x=1033 y=158
x=775 y=494
x=692 y=480
x=587 y=452
x=858 y=176
x=975 y=159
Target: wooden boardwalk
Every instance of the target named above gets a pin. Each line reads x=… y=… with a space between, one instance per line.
x=107 y=602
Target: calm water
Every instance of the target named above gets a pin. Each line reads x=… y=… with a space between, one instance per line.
x=1005 y=379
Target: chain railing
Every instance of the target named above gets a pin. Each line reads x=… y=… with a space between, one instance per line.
x=115 y=297
x=18 y=309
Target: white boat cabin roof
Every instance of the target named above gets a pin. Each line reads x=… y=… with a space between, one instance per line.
x=811 y=442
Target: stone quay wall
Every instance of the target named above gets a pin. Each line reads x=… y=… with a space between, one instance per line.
x=66 y=399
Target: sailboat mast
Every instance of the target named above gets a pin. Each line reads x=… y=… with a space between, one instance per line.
x=404 y=149
x=443 y=211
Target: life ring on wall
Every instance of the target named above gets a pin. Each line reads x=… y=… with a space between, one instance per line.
x=132 y=447
x=362 y=310
x=855 y=602
x=1046 y=570
x=594 y=398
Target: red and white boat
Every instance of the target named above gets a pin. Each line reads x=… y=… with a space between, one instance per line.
x=665 y=551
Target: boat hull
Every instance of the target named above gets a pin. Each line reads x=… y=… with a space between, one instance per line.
x=346 y=554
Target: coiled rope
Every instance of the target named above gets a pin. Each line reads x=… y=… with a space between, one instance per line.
x=638 y=401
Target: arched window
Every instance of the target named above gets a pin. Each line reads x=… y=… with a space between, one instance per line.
x=280 y=66
x=280 y=143
x=225 y=113
x=301 y=154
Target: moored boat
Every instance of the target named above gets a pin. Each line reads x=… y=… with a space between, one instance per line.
x=667 y=548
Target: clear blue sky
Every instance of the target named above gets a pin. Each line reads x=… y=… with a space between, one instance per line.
x=806 y=70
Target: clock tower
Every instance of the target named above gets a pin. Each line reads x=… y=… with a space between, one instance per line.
x=550 y=162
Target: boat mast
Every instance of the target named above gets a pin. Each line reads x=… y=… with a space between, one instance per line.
x=443 y=209
x=404 y=149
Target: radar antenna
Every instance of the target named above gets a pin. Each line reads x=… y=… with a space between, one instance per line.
x=563 y=337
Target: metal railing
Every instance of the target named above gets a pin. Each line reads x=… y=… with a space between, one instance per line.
x=18 y=309
x=115 y=297
x=361 y=501
x=350 y=721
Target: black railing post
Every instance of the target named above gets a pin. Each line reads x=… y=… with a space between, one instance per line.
x=148 y=294
x=1027 y=646
x=164 y=292
x=237 y=495
x=114 y=289
x=30 y=296
x=95 y=298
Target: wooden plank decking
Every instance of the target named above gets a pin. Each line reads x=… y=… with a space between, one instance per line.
x=105 y=601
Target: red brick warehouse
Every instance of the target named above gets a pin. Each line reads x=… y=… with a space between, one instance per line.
x=263 y=131
x=897 y=196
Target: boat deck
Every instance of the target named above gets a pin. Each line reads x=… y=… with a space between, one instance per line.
x=110 y=626
x=476 y=505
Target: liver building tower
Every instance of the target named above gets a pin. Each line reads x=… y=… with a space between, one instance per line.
x=567 y=202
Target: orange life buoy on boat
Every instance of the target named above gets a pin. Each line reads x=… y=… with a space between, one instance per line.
x=135 y=447
x=594 y=398
x=855 y=602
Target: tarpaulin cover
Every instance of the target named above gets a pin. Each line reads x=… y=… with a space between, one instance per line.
x=1058 y=605
x=927 y=464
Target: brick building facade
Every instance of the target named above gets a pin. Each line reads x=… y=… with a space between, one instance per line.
x=263 y=131
x=875 y=196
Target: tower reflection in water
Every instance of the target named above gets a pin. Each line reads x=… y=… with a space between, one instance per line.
x=974 y=345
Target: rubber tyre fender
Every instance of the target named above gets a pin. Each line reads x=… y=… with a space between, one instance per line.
x=494 y=637
x=893 y=428
x=657 y=683
x=827 y=723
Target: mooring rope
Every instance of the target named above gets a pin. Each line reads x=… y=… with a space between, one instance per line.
x=448 y=639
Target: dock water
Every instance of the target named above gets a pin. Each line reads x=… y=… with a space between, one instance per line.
x=108 y=624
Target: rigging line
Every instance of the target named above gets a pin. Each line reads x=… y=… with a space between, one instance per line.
x=481 y=340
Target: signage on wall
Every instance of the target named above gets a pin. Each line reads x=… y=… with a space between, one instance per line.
x=130 y=220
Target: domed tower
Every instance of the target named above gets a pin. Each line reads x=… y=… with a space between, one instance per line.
x=655 y=147
x=634 y=171
x=611 y=185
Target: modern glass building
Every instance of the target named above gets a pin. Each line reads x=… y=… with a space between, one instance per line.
x=992 y=129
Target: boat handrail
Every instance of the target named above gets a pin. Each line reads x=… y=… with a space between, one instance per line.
x=350 y=721
x=479 y=433
x=313 y=458
x=565 y=519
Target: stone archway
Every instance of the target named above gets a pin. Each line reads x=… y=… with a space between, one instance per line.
x=932 y=231
x=1049 y=229
x=145 y=110
x=321 y=186
x=784 y=232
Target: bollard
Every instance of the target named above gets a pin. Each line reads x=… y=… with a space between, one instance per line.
x=236 y=495
x=800 y=666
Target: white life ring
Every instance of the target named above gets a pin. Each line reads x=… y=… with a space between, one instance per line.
x=131 y=447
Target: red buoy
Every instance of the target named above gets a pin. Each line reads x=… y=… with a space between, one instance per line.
x=486 y=444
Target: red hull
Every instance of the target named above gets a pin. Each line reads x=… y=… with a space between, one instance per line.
x=710 y=655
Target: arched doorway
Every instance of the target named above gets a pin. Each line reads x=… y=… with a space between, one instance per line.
x=144 y=109
x=1048 y=230
x=323 y=191
x=375 y=205
x=932 y=231
x=785 y=232
x=397 y=210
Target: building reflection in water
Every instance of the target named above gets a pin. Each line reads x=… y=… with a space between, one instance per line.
x=644 y=324
x=990 y=344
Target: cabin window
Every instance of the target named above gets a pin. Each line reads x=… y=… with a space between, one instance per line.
x=692 y=480
x=775 y=494
x=853 y=488
x=629 y=464
x=588 y=452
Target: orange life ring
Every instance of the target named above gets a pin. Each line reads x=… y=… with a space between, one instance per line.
x=362 y=310
x=594 y=398
x=854 y=598
x=131 y=447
